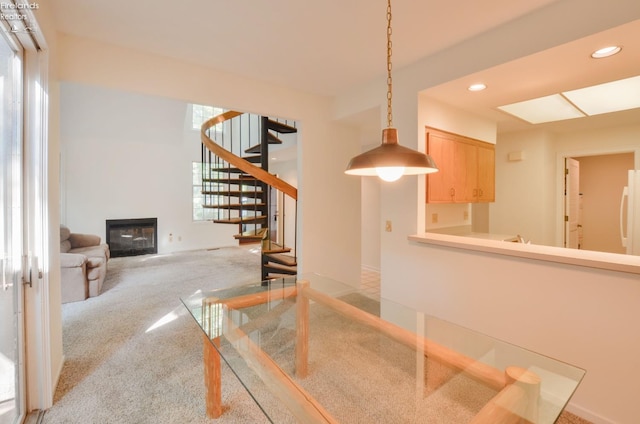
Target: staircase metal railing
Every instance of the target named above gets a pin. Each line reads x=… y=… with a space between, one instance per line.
x=237 y=184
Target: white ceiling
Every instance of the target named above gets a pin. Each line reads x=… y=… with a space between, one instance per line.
x=317 y=46
x=563 y=68
x=327 y=46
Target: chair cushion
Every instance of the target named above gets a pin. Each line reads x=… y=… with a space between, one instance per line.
x=95 y=274
x=64 y=233
x=83 y=240
x=72 y=260
x=65 y=246
x=94 y=262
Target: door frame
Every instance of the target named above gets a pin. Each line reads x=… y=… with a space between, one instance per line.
x=569 y=201
x=560 y=165
x=37 y=308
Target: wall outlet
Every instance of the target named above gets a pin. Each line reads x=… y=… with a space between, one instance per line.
x=465 y=215
x=170 y=237
x=388 y=227
x=434 y=218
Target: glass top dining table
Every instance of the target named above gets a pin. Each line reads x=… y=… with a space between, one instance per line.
x=315 y=350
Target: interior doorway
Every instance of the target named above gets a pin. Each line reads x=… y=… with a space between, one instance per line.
x=592 y=200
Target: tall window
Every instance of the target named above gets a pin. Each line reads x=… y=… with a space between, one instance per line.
x=201 y=113
x=201 y=213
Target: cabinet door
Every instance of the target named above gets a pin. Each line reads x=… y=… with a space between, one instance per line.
x=465 y=172
x=486 y=173
x=440 y=185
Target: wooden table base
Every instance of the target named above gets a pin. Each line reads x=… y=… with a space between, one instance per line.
x=212 y=377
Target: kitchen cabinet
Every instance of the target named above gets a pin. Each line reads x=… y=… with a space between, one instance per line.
x=466 y=169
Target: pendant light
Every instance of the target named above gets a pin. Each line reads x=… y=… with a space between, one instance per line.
x=390 y=161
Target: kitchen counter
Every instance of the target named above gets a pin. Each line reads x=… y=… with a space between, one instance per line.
x=465 y=231
x=586 y=258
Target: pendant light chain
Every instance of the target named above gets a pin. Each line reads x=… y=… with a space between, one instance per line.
x=389 y=81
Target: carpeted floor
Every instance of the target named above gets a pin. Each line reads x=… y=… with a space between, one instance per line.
x=134 y=354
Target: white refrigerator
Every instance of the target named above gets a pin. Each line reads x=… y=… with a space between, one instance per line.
x=630 y=214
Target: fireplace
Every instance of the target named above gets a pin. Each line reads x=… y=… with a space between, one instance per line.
x=131 y=237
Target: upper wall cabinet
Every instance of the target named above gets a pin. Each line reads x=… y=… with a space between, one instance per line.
x=466 y=169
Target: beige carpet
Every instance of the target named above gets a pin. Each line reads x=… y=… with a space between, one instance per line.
x=134 y=355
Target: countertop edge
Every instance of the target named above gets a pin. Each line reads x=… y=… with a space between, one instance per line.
x=586 y=258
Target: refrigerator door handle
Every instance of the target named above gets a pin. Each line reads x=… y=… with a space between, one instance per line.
x=625 y=195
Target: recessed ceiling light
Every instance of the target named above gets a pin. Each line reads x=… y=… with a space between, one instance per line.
x=477 y=87
x=606 y=52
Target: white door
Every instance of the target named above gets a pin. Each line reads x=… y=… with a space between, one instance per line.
x=571 y=202
x=632 y=235
x=12 y=408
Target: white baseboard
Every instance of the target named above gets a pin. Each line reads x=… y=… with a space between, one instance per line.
x=587 y=414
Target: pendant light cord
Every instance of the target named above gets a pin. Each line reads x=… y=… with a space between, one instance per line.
x=389 y=81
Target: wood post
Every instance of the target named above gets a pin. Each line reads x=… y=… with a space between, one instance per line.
x=529 y=382
x=507 y=407
x=481 y=372
x=519 y=389
x=298 y=401
x=212 y=376
x=302 y=330
x=517 y=403
x=259 y=298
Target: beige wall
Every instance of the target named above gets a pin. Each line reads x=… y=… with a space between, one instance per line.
x=572 y=313
x=324 y=146
x=324 y=149
x=525 y=189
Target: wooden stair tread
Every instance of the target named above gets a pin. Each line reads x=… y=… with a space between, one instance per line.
x=280 y=127
x=233 y=193
x=238 y=206
x=271 y=247
x=282 y=259
x=276 y=250
x=253 y=159
x=271 y=139
x=228 y=170
x=242 y=179
x=251 y=235
x=254 y=149
x=241 y=220
x=280 y=269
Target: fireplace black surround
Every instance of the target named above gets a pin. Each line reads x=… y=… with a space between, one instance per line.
x=131 y=237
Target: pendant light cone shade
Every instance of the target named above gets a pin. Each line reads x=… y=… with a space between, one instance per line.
x=391 y=159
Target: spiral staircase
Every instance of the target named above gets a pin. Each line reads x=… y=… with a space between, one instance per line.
x=238 y=188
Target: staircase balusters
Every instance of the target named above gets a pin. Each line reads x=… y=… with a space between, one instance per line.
x=248 y=183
